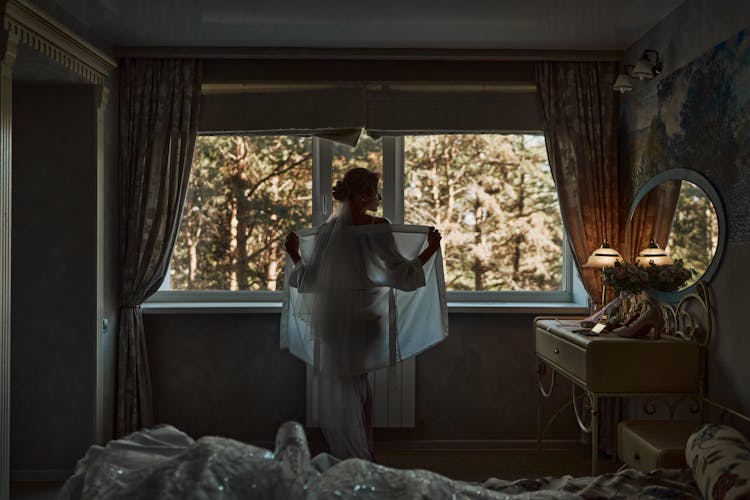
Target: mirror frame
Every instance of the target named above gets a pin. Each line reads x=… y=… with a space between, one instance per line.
x=702 y=182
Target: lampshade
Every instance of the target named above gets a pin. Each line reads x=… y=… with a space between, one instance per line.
x=653 y=254
x=645 y=69
x=604 y=256
x=622 y=83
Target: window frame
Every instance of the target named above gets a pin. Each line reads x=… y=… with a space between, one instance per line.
x=570 y=297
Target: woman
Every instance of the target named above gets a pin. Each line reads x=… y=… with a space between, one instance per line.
x=347 y=302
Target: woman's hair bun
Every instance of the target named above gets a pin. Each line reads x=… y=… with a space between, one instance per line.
x=341 y=191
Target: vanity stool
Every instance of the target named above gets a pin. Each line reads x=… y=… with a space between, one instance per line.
x=646 y=445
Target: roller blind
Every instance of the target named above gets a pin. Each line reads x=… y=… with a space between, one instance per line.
x=435 y=98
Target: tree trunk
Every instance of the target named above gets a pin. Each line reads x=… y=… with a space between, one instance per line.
x=478 y=266
x=272 y=268
x=519 y=237
x=242 y=214
x=233 y=246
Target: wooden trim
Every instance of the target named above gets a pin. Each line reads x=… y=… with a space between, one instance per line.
x=102 y=99
x=8 y=46
x=38 y=30
x=405 y=54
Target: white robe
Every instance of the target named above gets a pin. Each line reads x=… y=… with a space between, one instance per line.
x=388 y=307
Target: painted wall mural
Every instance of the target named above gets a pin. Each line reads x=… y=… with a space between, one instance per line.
x=698 y=117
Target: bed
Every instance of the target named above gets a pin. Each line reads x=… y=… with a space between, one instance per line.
x=164 y=462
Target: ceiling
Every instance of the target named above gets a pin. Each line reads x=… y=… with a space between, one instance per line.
x=386 y=24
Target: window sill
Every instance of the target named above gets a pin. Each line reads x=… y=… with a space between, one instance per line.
x=545 y=308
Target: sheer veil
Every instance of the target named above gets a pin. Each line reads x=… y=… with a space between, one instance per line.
x=332 y=305
x=359 y=300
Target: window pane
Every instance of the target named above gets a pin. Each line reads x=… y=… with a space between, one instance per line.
x=494 y=200
x=245 y=194
x=368 y=154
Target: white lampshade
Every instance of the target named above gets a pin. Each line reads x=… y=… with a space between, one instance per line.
x=644 y=69
x=622 y=83
x=653 y=254
x=604 y=256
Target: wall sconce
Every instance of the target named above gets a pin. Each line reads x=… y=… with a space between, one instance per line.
x=644 y=68
x=653 y=254
x=622 y=83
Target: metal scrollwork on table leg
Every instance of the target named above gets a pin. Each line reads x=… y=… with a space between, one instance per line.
x=588 y=405
x=540 y=371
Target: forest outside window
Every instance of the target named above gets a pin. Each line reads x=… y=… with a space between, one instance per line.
x=491 y=195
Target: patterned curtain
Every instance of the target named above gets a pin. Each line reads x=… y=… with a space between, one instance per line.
x=159 y=106
x=580 y=125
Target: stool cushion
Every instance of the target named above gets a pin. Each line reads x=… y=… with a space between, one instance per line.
x=719 y=457
x=654 y=444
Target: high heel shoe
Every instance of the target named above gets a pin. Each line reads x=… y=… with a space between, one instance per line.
x=642 y=325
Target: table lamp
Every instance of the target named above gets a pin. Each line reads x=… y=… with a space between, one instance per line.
x=653 y=254
x=604 y=256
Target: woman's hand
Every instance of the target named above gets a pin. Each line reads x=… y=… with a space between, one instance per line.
x=292 y=246
x=433 y=245
x=433 y=238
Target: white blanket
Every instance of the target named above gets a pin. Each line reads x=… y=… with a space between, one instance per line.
x=164 y=463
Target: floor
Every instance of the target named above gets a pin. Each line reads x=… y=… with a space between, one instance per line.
x=468 y=465
x=34 y=491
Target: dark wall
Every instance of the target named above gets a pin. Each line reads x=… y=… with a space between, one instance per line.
x=53 y=275
x=224 y=374
x=694 y=116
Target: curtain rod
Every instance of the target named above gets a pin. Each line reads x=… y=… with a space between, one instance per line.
x=292 y=86
x=370 y=54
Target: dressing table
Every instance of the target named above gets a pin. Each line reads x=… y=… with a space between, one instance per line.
x=678 y=207
x=609 y=365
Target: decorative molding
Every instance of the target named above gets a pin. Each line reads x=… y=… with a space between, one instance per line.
x=8 y=45
x=363 y=54
x=38 y=30
x=8 y=49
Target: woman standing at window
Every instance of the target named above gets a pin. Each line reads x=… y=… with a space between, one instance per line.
x=341 y=311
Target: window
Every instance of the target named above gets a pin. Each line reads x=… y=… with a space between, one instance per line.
x=244 y=195
x=491 y=195
x=493 y=198
x=368 y=154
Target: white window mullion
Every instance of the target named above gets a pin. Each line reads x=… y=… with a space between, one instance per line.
x=322 y=180
x=393 y=179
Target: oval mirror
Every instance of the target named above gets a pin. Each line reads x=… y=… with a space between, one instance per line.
x=681 y=211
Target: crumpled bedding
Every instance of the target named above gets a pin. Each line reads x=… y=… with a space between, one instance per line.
x=166 y=463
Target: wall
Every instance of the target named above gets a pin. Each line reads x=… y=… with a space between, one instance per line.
x=696 y=116
x=224 y=374
x=53 y=275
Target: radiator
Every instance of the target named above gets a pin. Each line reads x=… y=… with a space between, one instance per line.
x=392 y=392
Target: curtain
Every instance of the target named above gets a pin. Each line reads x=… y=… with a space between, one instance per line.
x=580 y=113
x=580 y=126
x=159 y=107
x=652 y=218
